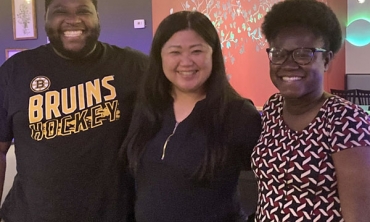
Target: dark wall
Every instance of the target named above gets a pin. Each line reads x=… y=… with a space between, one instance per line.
x=116 y=18
x=117 y=23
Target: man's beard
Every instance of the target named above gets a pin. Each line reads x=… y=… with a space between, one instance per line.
x=57 y=43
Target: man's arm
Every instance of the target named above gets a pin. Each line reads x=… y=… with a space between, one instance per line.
x=4 y=147
x=352 y=167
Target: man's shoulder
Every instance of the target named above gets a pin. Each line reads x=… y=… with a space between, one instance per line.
x=40 y=50
x=127 y=51
x=28 y=55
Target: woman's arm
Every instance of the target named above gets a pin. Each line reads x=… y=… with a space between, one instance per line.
x=353 y=174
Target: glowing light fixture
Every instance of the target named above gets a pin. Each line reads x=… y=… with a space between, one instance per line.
x=358 y=32
x=361 y=1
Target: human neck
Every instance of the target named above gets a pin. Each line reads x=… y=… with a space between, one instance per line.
x=299 y=106
x=184 y=103
x=184 y=97
x=65 y=57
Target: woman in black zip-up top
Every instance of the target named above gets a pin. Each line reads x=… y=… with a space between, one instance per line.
x=191 y=132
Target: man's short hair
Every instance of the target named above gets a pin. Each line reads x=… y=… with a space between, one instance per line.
x=48 y=2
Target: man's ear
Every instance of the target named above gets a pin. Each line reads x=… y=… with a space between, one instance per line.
x=327 y=60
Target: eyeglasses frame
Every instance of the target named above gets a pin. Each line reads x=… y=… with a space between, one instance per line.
x=290 y=53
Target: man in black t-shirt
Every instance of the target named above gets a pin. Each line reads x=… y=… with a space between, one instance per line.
x=68 y=106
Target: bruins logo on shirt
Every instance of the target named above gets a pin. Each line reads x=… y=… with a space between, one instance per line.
x=40 y=84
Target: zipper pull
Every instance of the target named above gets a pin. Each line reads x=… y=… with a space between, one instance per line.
x=167 y=140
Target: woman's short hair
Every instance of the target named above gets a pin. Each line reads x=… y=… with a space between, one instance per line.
x=311 y=14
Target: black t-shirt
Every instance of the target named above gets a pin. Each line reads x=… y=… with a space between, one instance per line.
x=68 y=119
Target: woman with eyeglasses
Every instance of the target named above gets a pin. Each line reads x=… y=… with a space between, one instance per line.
x=312 y=160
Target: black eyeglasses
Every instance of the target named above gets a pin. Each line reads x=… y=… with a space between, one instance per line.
x=302 y=56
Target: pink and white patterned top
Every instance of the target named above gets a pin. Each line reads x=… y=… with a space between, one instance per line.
x=295 y=171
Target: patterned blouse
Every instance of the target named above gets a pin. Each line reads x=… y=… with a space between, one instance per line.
x=295 y=170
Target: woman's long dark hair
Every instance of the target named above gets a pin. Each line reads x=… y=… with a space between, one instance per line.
x=155 y=96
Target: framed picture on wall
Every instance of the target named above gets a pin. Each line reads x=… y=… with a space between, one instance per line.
x=10 y=52
x=24 y=19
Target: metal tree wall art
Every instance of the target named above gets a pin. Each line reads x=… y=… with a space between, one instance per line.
x=236 y=23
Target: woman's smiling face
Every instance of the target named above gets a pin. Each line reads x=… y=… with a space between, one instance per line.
x=187 y=61
x=290 y=78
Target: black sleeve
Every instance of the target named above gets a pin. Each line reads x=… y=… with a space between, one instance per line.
x=244 y=128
